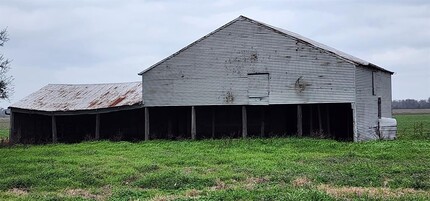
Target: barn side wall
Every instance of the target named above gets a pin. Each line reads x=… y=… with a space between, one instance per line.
x=384 y=90
x=367 y=101
x=217 y=69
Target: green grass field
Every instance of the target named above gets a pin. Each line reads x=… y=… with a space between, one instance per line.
x=4 y=133
x=413 y=126
x=239 y=169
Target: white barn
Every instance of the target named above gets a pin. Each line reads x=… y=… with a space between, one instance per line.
x=248 y=78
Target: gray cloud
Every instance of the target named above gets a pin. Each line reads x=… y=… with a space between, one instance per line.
x=111 y=41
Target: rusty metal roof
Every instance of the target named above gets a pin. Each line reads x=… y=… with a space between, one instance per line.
x=78 y=97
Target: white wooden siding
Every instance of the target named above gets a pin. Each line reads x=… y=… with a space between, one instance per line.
x=214 y=71
x=384 y=91
x=367 y=102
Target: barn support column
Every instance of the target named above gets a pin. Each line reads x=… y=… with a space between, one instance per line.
x=354 y=122
x=244 y=123
x=97 y=134
x=12 y=134
x=146 y=124
x=299 y=120
x=54 y=129
x=193 y=123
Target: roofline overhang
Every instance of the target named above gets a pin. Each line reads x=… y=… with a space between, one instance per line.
x=76 y=112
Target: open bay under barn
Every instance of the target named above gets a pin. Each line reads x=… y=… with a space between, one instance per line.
x=73 y=113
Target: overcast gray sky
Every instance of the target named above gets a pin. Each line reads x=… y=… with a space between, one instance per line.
x=97 y=41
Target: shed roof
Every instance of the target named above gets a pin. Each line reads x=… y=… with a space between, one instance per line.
x=287 y=34
x=82 y=97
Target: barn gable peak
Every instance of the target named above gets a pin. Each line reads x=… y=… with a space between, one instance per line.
x=284 y=32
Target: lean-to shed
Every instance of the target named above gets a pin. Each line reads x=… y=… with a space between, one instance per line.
x=76 y=112
x=248 y=78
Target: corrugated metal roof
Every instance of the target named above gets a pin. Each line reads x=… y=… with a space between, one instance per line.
x=78 y=97
x=284 y=32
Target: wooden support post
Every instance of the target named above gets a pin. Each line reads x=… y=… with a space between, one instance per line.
x=97 y=134
x=12 y=134
x=299 y=120
x=244 y=123
x=320 y=129
x=328 y=120
x=262 y=122
x=146 y=123
x=213 y=123
x=193 y=123
x=54 y=129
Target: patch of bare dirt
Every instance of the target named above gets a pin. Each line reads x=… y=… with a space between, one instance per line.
x=164 y=198
x=219 y=185
x=251 y=182
x=350 y=191
x=301 y=181
x=193 y=193
x=102 y=195
x=18 y=191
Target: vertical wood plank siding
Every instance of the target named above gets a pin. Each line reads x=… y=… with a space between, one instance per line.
x=214 y=71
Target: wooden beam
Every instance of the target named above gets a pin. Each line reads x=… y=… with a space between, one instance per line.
x=213 y=123
x=146 y=123
x=12 y=134
x=54 y=129
x=97 y=134
x=244 y=123
x=193 y=123
x=299 y=120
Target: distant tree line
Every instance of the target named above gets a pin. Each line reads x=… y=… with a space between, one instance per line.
x=411 y=104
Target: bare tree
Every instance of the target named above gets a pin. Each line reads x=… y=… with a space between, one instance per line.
x=5 y=80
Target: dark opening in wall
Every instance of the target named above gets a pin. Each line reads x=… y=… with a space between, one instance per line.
x=318 y=120
x=170 y=122
x=332 y=120
x=37 y=129
x=272 y=121
x=125 y=125
x=76 y=128
x=32 y=128
x=219 y=122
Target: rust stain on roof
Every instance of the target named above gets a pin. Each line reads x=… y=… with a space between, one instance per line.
x=70 y=97
x=118 y=100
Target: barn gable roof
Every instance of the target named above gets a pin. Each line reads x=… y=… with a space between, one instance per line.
x=82 y=97
x=285 y=33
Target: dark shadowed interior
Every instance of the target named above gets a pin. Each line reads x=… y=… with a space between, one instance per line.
x=333 y=121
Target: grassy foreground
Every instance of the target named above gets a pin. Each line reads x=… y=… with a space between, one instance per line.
x=249 y=169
